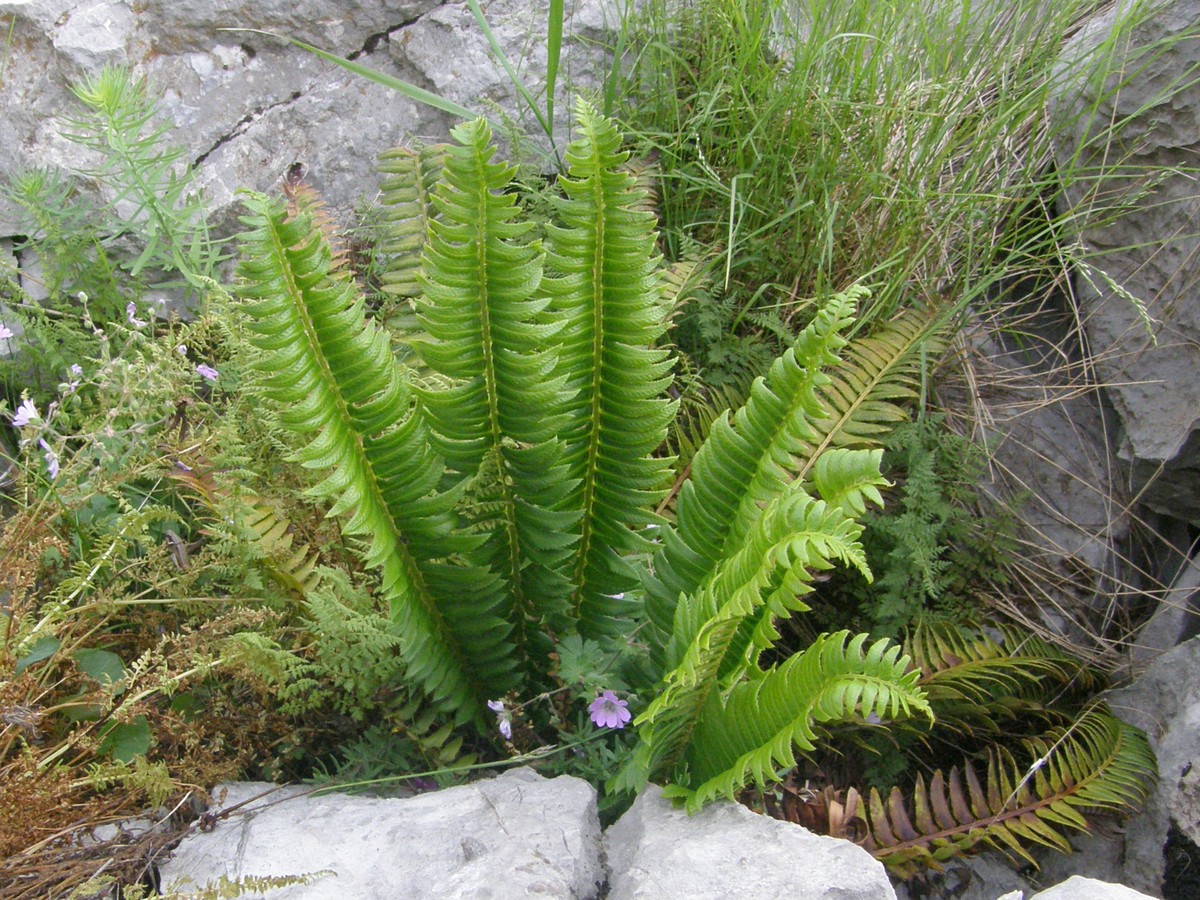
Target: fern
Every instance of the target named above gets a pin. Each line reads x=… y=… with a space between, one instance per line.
x=497 y=421
x=333 y=375
x=292 y=567
x=504 y=499
x=1096 y=764
x=973 y=678
x=606 y=289
x=407 y=194
x=497 y=501
x=795 y=413
x=832 y=680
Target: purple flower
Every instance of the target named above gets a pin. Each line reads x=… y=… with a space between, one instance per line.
x=51 y=458
x=207 y=372
x=5 y=332
x=131 y=315
x=607 y=711
x=25 y=414
x=873 y=718
x=503 y=718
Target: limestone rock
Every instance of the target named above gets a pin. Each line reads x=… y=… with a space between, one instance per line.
x=1152 y=252
x=247 y=106
x=515 y=836
x=1165 y=703
x=657 y=852
x=1080 y=888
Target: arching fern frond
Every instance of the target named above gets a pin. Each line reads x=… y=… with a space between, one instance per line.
x=333 y=376
x=723 y=627
x=754 y=731
x=744 y=463
x=606 y=288
x=808 y=403
x=975 y=677
x=1098 y=764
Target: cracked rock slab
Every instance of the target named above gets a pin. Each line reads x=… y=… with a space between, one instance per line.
x=519 y=835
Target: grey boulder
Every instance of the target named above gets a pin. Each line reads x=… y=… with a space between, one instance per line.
x=518 y=835
x=657 y=852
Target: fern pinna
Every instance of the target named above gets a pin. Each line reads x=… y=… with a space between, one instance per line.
x=499 y=500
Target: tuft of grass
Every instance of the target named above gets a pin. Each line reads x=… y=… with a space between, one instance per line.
x=815 y=145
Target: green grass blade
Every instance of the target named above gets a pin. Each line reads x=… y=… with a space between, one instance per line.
x=399 y=85
x=554 y=31
x=529 y=99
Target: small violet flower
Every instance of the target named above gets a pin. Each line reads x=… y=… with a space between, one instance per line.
x=131 y=315
x=73 y=382
x=51 y=458
x=5 y=332
x=25 y=414
x=607 y=711
x=207 y=372
x=503 y=718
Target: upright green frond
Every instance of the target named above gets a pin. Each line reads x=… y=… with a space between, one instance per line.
x=334 y=378
x=497 y=420
x=608 y=292
x=407 y=195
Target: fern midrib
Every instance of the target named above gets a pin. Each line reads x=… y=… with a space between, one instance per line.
x=399 y=545
x=594 y=421
x=918 y=336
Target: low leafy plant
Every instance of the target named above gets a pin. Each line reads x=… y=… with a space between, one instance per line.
x=932 y=552
x=1020 y=757
x=507 y=496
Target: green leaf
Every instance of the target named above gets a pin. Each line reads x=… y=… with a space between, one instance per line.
x=125 y=740
x=607 y=289
x=100 y=665
x=43 y=648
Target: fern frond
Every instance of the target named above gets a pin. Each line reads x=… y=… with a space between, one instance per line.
x=700 y=405
x=762 y=581
x=498 y=419
x=1098 y=764
x=753 y=733
x=410 y=177
x=807 y=404
x=742 y=465
x=295 y=568
x=607 y=290
x=333 y=376
x=973 y=679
